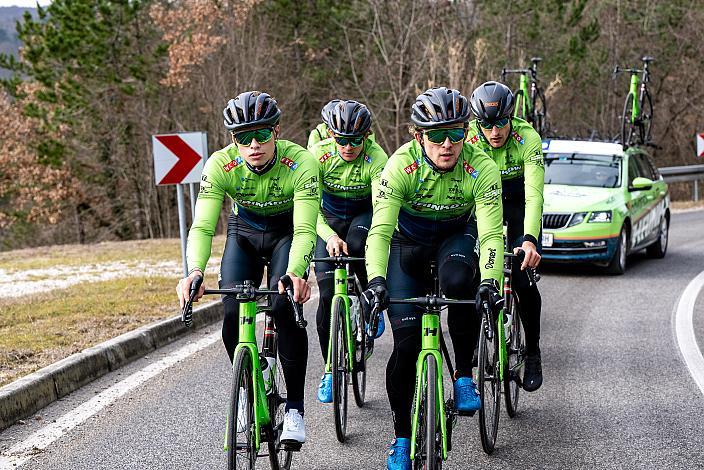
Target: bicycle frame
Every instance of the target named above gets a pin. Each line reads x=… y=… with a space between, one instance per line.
x=526 y=103
x=341 y=293
x=430 y=346
x=636 y=101
x=248 y=339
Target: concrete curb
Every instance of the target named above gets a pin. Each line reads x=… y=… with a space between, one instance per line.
x=24 y=397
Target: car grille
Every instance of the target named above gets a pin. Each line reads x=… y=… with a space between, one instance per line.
x=554 y=221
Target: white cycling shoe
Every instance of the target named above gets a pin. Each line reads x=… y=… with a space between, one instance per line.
x=294 y=427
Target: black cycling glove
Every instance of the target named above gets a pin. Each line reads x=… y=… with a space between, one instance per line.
x=488 y=292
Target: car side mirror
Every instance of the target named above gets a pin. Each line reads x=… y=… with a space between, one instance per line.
x=641 y=184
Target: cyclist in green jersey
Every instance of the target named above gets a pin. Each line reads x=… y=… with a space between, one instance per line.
x=275 y=187
x=321 y=131
x=350 y=168
x=516 y=148
x=428 y=194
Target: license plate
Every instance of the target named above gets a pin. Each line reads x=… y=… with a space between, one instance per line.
x=547 y=239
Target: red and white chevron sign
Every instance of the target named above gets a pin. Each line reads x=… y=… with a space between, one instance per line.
x=700 y=144
x=178 y=158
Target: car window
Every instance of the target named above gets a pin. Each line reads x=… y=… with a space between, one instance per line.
x=599 y=171
x=653 y=167
x=644 y=168
x=632 y=170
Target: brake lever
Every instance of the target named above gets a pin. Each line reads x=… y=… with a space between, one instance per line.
x=297 y=307
x=187 y=312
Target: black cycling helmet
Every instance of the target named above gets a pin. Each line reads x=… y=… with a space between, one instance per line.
x=440 y=106
x=325 y=113
x=348 y=118
x=492 y=101
x=251 y=109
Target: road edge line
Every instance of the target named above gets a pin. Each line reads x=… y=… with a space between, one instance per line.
x=684 y=330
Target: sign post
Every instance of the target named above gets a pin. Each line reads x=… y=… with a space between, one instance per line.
x=178 y=159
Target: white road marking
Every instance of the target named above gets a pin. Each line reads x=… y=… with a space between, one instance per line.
x=684 y=330
x=22 y=452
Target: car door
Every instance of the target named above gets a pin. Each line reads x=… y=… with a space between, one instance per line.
x=637 y=205
x=658 y=197
x=647 y=223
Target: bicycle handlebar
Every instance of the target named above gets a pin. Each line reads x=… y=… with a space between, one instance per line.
x=431 y=301
x=338 y=259
x=246 y=292
x=533 y=276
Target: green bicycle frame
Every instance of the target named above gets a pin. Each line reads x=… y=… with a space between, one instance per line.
x=341 y=292
x=248 y=339
x=525 y=107
x=634 y=91
x=430 y=347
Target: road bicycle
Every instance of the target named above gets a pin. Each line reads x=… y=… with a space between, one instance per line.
x=501 y=356
x=637 y=116
x=432 y=416
x=530 y=101
x=349 y=346
x=258 y=394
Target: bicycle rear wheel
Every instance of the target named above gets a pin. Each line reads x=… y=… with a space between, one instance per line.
x=539 y=113
x=489 y=387
x=646 y=117
x=359 y=374
x=241 y=443
x=516 y=357
x=519 y=109
x=428 y=453
x=627 y=125
x=279 y=458
x=339 y=368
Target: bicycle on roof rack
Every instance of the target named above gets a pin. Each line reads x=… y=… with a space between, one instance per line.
x=637 y=116
x=530 y=100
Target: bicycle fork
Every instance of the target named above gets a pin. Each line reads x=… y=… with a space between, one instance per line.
x=430 y=347
x=248 y=339
x=341 y=292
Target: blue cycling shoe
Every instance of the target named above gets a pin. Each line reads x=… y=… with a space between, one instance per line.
x=325 y=389
x=399 y=457
x=380 y=327
x=466 y=395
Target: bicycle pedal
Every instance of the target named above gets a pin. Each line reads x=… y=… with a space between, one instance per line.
x=291 y=445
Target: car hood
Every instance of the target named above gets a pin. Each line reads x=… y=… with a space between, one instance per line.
x=563 y=198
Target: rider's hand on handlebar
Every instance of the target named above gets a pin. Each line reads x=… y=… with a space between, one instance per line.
x=301 y=289
x=489 y=292
x=532 y=257
x=376 y=292
x=336 y=246
x=184 y=286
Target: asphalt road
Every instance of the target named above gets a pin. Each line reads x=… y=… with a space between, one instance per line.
x=616 y=394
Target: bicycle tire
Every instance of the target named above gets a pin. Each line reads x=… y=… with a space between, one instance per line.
x=428 y=438
x=646 y=117
x=515 y=360
x=489 y=388
x=519 y=106
x=359 y=374
x=241 y=456
x=279 y=458
x=539 y=113
x=339 y=368
x=627 y=126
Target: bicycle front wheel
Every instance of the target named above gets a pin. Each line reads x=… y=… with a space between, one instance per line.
x=515 y=346
x=489 y=387
x=339 y=368
x=428 y=454
x=627 y=124
x=359 y=374
x=279 y=458
x=241 y=444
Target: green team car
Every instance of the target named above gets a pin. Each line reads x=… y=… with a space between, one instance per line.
x=602 y=203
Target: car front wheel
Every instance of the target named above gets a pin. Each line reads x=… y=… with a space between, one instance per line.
x=659 y=248
x=617 y=265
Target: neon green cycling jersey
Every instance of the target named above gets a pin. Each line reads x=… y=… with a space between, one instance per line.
x=319 y=132
x=520 y=161
x=347 y=187
x=426 y=205
x=286 y=193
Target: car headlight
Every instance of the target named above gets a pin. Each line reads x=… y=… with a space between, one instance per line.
x=577 y=218
x=600 y=216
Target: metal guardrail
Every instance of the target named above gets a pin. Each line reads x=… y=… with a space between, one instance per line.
x=676 y=174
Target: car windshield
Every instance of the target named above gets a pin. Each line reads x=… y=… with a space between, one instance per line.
x=599 y=171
